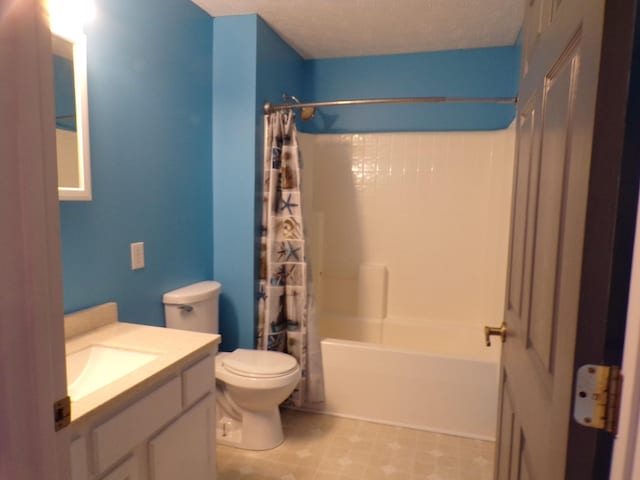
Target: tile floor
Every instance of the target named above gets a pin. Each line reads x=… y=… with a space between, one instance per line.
x=322 y=447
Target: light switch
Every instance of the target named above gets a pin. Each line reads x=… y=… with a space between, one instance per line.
x=137 y=255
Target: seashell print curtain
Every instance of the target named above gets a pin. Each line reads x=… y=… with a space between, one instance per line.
x=286 y=319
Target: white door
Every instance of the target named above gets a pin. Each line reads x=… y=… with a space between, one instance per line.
x=555 y=123
x=32 y=373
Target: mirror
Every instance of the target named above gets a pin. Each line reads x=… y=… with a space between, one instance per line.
x=72 y=121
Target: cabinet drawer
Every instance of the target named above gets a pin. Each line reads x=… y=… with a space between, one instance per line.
x=198 y=380
x=120 y=434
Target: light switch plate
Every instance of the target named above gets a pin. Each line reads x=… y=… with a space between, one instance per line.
x=137 y=255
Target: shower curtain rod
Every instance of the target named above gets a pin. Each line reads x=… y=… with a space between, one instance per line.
x=269 y=108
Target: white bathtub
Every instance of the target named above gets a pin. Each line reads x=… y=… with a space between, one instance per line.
x=443 y=379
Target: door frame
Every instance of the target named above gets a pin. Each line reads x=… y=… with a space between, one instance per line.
x=610 y=224
x=32 y=363
x=626 y=446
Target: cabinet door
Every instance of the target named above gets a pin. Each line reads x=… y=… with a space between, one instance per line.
x=184 y=449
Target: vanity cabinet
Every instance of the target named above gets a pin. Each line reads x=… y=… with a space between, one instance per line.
x=183 y=449
x=164 y=432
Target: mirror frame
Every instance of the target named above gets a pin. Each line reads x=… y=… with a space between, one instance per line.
x=83 y=191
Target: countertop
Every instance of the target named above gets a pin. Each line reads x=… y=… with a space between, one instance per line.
x=176 y=349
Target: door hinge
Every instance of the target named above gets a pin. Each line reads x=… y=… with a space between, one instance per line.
x=62 y=413
x=597 y=397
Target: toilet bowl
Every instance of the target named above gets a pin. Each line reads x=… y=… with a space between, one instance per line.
x=250 y=385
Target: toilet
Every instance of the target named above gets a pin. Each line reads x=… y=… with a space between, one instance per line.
x=250 y=384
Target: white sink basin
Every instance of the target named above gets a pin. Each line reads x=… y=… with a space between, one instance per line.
x=96 y=366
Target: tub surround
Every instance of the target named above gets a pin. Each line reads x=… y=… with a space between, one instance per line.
x=409 y=247
x=410 y=225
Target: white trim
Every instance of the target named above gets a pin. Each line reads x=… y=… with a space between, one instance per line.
x=32 y=371
x=626 y=448
x=83 y=191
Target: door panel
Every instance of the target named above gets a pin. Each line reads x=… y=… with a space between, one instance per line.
x=526 y=123
x=506 y=419
x=556 y=132
x=556 y=115
x=524 y=472
x=524 y=199
x=513 y=454
x=532 y=30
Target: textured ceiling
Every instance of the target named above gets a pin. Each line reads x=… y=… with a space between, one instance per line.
x=345 y=28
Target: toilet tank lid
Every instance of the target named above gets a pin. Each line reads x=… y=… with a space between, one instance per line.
x=192 y=293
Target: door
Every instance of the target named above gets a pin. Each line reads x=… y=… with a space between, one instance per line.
x=557 y=198
x=32 y=366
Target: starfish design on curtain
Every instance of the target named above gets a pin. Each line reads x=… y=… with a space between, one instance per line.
x=288 y=251
x=288 y=204
x=262 y=295
x=275 y=156
x=287 y=318
x=280 y=277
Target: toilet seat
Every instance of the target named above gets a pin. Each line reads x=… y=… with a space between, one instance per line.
x=257 y=369
x=258 y=363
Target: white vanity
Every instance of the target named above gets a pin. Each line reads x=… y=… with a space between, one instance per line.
x=142 y=399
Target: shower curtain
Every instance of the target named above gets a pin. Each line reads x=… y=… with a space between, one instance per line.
x=287 y=319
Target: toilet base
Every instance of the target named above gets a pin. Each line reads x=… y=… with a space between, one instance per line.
x=255 y=431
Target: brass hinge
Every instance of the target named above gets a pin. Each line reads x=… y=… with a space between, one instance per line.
x=597 y=397
x=62 y=413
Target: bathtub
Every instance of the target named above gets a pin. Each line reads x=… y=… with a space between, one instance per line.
x=421 y=374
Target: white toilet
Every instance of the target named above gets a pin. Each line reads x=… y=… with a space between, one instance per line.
x=250 y=384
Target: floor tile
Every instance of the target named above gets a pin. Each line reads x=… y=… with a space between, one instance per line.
x=323 y=447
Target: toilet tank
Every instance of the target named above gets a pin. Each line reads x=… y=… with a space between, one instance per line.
x=194 y=307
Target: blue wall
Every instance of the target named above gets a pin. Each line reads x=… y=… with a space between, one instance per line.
x=485 y=72
x=251 y=65
x=149 y=81
x=234 y=139
x=279 y=69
